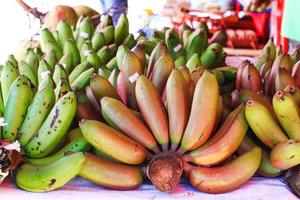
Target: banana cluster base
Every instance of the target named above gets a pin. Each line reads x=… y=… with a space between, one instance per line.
x=78 y=189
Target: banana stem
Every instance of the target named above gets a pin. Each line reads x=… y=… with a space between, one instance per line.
x=33 y=11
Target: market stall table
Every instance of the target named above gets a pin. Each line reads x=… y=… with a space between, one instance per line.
x=256 y=189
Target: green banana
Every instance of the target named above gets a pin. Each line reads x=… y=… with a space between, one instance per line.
x=288 y=113
x=94 y=60
x=86 y=30
x=54 y=129
x=38 y=110
x=121 y=29
x=108 y=33
x=104 y=72
x=98 y=40
x=174 y=44
x=26 y=70
x=64 y=31
x=43 y=68
x=71 y=48
x=47 y=37
x=78 y=70
x=112 y=64
x=46 y=81
x=114 y=77
x=8 y=75
x=193 y=62
x=196 y=43
x=67 y=62
x=51 y=59
x=185 y=35
x=82 y=80
x=54 y=47
x=49 y=177
x=129 y=41
x=77 y=145
x=17 y=103
x=180 y=61
x=11 y=58
x=85 y=50
x=62 y=88
x=32 y=59
x=59 y=73
x=104 y=54
x=213 y=52
x=122 y=50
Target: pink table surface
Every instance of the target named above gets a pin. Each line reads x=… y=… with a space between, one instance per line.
x=79 y=189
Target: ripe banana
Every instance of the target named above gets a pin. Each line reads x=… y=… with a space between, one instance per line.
x=158 y=51
x=110 y=174
x=49 y=177
x=177 y=106
x=203 y=113
x=295 y=92
x=122 y=118
x=283 y=79
x=153 y=111
x=288 y=113
x=103 y=137
x=38 y=110
x=225 y=178
x=54 y=128
x=224 y=143
x=286 y=154
x=8 y=74
x=19 y=98
x=139 y=51
x=263 y=124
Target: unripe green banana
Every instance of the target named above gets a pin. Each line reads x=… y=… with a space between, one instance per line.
x=288 y=113
x=121 y=29
x=286 y=154
x=94 y=60
x=67 y=62
x=114 y=77
x=113 y=48
x=54 y=129
x=104 y=72
x=103 y=137
x=86 y=50
x=43 y=68
x=78 y=70
x=196 y=43
x=54 y=47
x=106 y=20
x=149 y=45
x=11 y=58
x=156 y=34
x=17 y=103
x=77 y=145
x=180 y=61
x=26 y=70
x=59 y=73
x=49 y=177
x=193 y=62
x=46 y=81
x=108 y=33
x=82 y=80
x=38 y=110
x=62 y=88
x=8 y=74
x=64 y=31
x=268 y=53
x=32 y=59
x=213 y=52
x=110 y=174
x=263 y=124
x=51 y=59
x=174 y=44
x=122 y=50
x=112 y=64
x=185 y=35
x=86 y=30
x=104 y=54
x=129 y=41
x=47 y=37
x=71 y=48
x=98 y=40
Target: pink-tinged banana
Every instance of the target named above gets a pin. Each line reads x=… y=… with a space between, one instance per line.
x=42 y=69
x=129 y=41
x=82 y=80
x=109 y=174
x=122 y=118
x=239 y=74
x=121 y=29
x=71 y=48
x=51 y=59
x=153 y=111
x=139 y=51
x=225 y=178
x=98 y=40
x=265 y=168
x=37 y=112
x=283 y=79
x=59 y=73
x=286 y=154
x=114 y=77
x=196 y=43
x=211 y=57
x=67 y=62
x=78 y=70
x=288 y=113
x=122 y=50
x=121 y=88
x=101 y=87
x=161 y=72
x=26 y=70
x=263 y=124
x=18 y=100
x=9 y=73
x=77 y=145
x=265 y=68
x=64 y=31
x=49 y=177
x=62 y=88
x=224 y=143
x=158 y=51
x=203 y=113
x=85 y=109
x=131 y=66
x=296 y=73
x=108 y=33
x=251 y=79
x=103 y=137
x=295 y=92
x=86 y=31
x=177 y=106
x=54 y=129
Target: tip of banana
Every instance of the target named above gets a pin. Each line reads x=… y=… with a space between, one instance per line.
x=250 y=103
x=81 y=122
x=279 y=94
x=290 y=89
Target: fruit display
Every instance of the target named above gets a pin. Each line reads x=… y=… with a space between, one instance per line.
x=97 y=102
